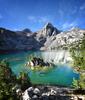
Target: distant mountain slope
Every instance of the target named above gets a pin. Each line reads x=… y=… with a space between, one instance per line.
x=48 y=38
x=26 y=32
x=10 y=40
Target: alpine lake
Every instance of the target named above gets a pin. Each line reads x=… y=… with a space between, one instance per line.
x=61 y=75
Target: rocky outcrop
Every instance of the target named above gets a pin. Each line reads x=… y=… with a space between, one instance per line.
x=50 y=93
x=44 y=93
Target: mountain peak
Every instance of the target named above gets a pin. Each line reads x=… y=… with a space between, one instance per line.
x=26 y=30
x=48 y=25
x=47 y=30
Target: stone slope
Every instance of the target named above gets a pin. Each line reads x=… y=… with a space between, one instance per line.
x=64 y=39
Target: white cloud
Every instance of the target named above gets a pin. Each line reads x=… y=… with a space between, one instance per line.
x=82 y=7
x=68 y=25
x=35 y=19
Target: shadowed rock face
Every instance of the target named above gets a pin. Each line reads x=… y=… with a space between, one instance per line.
x=26 y=30
x=10 y=40
x=47 y=38
x=47 y=31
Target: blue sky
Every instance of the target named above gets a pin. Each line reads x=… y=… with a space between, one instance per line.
x=34 y=14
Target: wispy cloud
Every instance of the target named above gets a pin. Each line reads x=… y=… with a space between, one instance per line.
x=82 y=7
x=69 y=25
x=35 y=19
x=32 y=18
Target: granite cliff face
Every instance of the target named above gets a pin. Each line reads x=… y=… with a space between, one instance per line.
x=64 y=39
x=46 y=32
x=48 y=38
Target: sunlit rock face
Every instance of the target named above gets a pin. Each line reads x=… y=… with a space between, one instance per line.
x=47 y=31
x=63 y=39
x=56 y=57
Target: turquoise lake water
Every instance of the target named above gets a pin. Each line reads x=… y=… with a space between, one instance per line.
x=61 y=75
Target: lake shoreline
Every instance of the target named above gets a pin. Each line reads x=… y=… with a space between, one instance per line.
x=61 y=75
x=11 y=51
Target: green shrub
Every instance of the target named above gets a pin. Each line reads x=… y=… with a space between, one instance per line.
x=78 y=55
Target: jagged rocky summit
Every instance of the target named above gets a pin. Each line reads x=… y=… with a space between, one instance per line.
x=48 y=38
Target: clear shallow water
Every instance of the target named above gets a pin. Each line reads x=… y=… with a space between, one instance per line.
x=60 y=75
